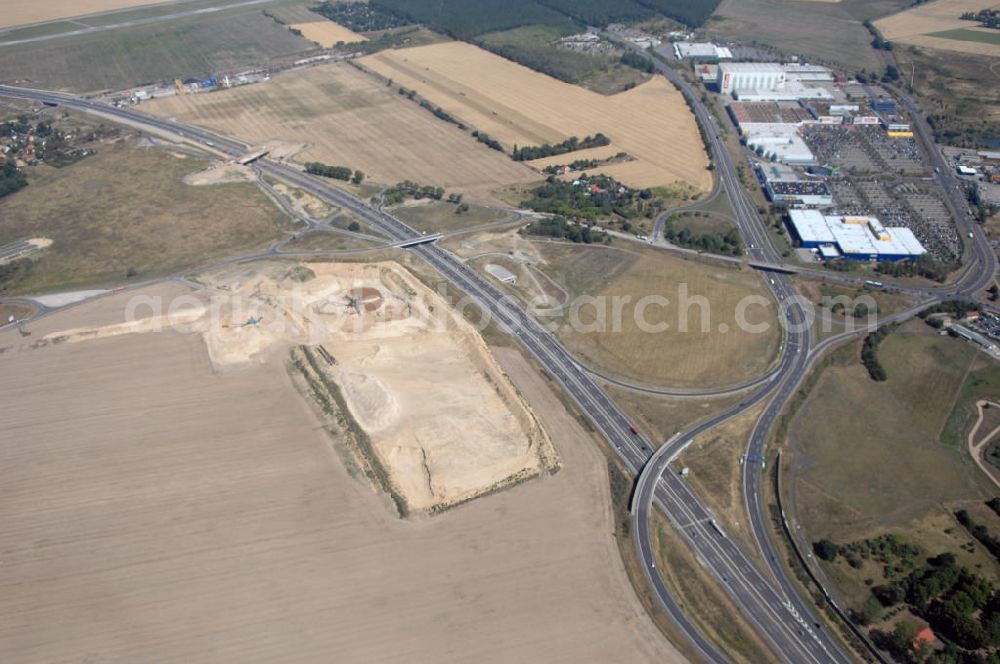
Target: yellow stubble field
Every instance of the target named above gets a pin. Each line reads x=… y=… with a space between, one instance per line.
x=19 y=12
x=347 y=118
x=519 y=106
x=916 y=26
x=328 y=33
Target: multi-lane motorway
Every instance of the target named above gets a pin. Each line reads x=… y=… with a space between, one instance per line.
x=796 y=361
x=765 y=597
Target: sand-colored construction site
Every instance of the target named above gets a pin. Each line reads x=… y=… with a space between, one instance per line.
x=916 y=26
x=327 y=33
x=519 y=106
x=389 y=343
x=345 y=117
x=154 y=508
x=18 y=12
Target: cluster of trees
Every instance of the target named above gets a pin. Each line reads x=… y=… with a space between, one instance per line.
x=958 y=604
x=561 y=228
x=13 y=272
x=889 y=550
x=692 y=13
x=602 y=12
x=408 y=189
x=584 y=164
x=466 y=19
x=571 y=144
x=869 y=352
x=953 y=308
x=578 y=165
x=994 y=504
x=878 y=41
x=11 y=179
x=980 y=532
x=638 y=61
x=361 y=16
x=597 y=197
x=924 y=266
x=336 y=172
x=988 y=18
x=487 y=140
x=726 y=244
x=441 y=114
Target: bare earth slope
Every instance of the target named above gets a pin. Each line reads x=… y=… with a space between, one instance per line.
x=152 y=509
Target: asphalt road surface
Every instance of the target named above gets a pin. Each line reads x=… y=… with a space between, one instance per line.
x=771 y=604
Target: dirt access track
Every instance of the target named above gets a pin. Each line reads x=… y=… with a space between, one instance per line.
x=443 y=418
x=156 y=509
x=519 y=106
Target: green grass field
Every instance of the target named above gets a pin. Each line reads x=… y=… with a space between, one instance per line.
x=959 y=91
x=867 y=458
x=437 y=217
x=827 y=31
x=720 y=354
x=126 y=210
x=177 y=48
x=868 y=455
x=963 y=34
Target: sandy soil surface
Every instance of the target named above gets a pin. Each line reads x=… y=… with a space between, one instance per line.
x=19 y=12
x=328 y=33
x=519 y=106
x=348 y=118
x=395 y=342
x=915 y=25
x=68 y=297
x=155 y=509
x=305 y=203
x=221 y=173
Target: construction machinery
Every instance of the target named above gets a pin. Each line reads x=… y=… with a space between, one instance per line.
x=249 y=322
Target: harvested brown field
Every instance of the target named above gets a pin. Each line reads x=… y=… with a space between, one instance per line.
x=154 y=509
x=393 y=341
x=18 y=12
x=916 y=26
x=516 y=105
x=327 y=33
x=347 y=118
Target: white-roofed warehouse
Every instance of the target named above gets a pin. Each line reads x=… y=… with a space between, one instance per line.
x=855 y=236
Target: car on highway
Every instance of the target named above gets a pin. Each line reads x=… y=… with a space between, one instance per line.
x=635 y=432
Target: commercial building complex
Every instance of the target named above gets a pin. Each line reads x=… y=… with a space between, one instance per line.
x=701 y=52
x=750 y=76
x=855 y=237
x=784 y=187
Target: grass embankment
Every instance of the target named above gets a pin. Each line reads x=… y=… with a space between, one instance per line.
x=438 y=216
x=702 y=347
x=125 y=214
x=869 y=458
x=701 y=598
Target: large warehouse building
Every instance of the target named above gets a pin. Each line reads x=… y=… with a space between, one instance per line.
x=750 y=76
x=855 y=237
